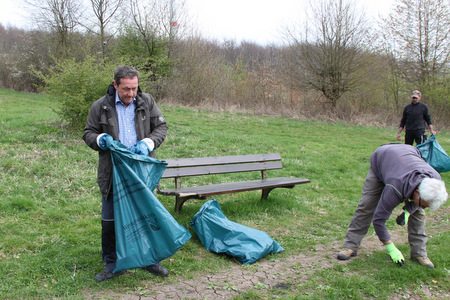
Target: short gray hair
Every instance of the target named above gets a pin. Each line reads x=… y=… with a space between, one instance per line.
x=433 y=192
x=125 y=72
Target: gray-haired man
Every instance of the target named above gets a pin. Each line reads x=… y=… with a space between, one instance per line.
x=397 y=175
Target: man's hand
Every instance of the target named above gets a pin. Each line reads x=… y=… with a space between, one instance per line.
x=395 y=254
x=399 y=137
x=105 y=141
x=142 y=147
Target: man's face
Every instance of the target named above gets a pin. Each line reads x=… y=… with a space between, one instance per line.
x=416 y=99
x=127 y=89
x=418 y=201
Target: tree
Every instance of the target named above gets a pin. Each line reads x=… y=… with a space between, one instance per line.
x=105 y=11
x=326 y=58
x=58 y=16
x=419 y=29
x=76 y=85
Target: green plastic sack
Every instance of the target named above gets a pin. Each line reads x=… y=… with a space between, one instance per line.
x=146 y=233
x=219 y=235
x=434 y=154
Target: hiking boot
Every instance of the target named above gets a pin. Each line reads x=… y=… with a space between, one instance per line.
x=424 y=261
x=102 y=276
x=157 y=270
x=346 y=254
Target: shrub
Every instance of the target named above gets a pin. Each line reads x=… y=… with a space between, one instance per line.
x=76 y=85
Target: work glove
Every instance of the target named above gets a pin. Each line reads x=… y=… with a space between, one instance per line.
x=143 y=147
x=104 y=141
x=402 y=219
x=395 y=254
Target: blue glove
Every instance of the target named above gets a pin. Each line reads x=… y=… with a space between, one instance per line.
x=141 y=148
x=105 y=141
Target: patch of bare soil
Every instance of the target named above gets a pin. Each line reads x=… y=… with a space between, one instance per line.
x=280 y=274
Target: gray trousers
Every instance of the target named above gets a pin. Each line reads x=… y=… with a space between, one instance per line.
x=362 y=219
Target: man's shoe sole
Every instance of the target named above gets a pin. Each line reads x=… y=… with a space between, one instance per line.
x=159 y=271
x=102 y=276
x=345 y=257
x=430 y=265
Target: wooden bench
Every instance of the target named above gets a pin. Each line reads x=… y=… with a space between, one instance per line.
x=183 y=167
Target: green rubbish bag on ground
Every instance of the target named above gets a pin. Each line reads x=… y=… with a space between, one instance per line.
x=146 y=233
x=220 y=235
x=434 y=154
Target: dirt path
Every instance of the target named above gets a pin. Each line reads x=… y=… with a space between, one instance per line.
x=265 y=274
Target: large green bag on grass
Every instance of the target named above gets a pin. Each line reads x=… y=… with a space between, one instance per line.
x=434 y=154
x=220 y=235
x=146 y=233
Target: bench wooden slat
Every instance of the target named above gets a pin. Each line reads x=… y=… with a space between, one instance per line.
x=220 y=160
x=232 y=187
x=183 y=167
x=221 y=169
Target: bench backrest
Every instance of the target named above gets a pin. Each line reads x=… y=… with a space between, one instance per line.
x=182 y=167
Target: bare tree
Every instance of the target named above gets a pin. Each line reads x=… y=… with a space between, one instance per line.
x=419 y=29
x=58 y=16
x=326 y=57
x=156 y=20
x=105 y=11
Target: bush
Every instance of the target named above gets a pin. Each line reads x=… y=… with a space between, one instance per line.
x=76 y=85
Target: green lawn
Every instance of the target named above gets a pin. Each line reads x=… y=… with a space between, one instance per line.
x=50 y=203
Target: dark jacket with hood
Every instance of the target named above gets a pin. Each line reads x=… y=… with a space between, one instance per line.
x=401 y=168
x=102 y=118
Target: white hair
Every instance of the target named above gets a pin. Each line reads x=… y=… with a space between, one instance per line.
x=433 y=191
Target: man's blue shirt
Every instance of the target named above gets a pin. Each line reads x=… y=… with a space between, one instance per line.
x=125 y=116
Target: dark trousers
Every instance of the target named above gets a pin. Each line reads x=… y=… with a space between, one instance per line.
x=418 y=136
x=109 y=255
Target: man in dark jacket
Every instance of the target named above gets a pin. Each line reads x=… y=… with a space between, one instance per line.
x=415 y=118
x=127 y=115
x=397 y=175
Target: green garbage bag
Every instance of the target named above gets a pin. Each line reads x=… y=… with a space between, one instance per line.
x=220 y=235
x=146 y=233
x=435 y=155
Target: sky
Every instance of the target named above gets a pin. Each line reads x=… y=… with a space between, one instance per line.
x=259 y=21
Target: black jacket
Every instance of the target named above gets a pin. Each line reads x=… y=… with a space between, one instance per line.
x=415 y=117
x=102 y=118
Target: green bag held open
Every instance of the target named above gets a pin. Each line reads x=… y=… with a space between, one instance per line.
x=146 y=233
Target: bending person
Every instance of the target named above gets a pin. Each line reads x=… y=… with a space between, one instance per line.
x=397 y=175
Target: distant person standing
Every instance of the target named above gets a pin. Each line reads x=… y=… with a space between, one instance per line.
x=415 y=118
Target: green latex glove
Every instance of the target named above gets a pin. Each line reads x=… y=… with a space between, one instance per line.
x=406 y=216
x=395 y=254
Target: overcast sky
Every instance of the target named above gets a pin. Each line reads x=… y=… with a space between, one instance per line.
x=258 y=21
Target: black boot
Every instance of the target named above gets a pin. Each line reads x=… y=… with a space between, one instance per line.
x=108 y=251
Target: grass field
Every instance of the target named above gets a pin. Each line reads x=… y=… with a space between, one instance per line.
x=50 y=204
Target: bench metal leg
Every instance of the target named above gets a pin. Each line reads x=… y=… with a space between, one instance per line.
x=265 y=193
x=179 y=201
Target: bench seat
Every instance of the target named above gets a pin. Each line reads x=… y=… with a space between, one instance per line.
x=231 y=187
x=186 y=167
